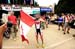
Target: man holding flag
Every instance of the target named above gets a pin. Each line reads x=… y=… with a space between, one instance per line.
x=38 y=21
x=26 y=22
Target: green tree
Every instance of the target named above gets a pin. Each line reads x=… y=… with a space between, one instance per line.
x=65 y=6
x=36 y=4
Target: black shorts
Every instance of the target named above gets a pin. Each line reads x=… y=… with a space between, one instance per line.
x=38 y=31
x=60 y=24
x=9 y=24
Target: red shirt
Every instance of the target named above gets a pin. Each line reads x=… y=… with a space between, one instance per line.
x=12 y=19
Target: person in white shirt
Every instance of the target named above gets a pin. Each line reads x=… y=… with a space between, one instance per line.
x=4 y=18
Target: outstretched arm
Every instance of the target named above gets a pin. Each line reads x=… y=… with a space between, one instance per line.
x=42 y=20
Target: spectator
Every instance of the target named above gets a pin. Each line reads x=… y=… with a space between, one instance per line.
x=43 y=23
x=66 y=25
x=60 y=22
x=13 y=20
x=4 y=18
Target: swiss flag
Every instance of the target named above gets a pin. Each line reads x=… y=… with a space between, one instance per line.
x=26 y=22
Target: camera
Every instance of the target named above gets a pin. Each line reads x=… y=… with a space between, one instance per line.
x=9 y=24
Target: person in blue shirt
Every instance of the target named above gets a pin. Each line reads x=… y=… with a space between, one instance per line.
x=60 y=22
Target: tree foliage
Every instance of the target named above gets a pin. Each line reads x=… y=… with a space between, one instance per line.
x=65 y=6
x=36 y=4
